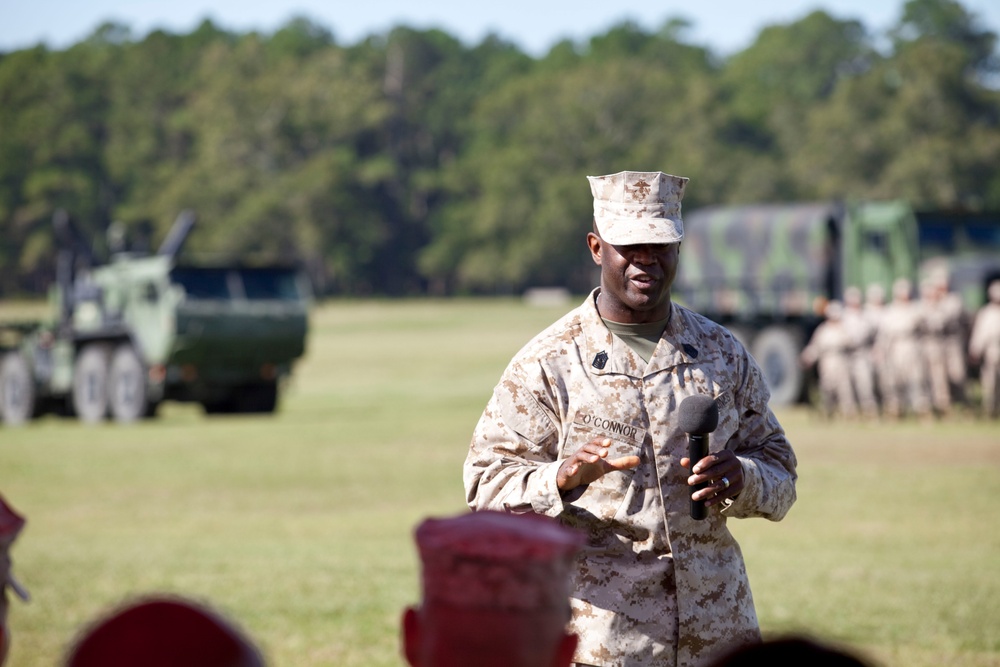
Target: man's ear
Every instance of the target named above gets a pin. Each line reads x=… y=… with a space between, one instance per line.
x=411 y=636
x=567 y=646
x=594 y=243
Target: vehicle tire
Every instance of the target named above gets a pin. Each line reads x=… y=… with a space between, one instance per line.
x=127 y=396
x=17 y=390
x=259 y=398
x=777 y=351
x=90 y=383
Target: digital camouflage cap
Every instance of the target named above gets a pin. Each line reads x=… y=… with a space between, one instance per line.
x=638 y=207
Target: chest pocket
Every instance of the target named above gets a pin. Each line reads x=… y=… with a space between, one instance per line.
x=603 y=498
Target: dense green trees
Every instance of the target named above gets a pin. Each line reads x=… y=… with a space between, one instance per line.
x=412 y=163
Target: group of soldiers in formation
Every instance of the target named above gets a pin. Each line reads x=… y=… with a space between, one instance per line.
x=910 y=356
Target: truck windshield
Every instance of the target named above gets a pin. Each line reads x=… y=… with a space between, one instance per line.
x=237 y=283
x=270 y=284
x=944 y=233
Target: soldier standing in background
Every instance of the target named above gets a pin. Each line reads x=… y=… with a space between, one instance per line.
x=874 y=311
x=862 y=334
x=984 y=349
x=830 y=349
x=956 y=330
x=932 y=343
x=898 y=347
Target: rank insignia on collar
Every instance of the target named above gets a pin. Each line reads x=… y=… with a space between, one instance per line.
x=690 y=350
x=600 y=360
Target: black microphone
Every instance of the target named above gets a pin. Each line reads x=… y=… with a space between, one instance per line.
x=698 y=416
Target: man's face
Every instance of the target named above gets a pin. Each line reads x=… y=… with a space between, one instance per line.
x=635 y=279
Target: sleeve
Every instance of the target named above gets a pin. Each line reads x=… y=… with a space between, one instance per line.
x=810 y=353
x=977 y=342
x=769 y=464
x=514 y=455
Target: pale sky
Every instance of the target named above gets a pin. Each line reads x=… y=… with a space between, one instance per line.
x=725 y=26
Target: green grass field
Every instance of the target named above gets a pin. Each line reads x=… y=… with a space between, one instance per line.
x=299 y=526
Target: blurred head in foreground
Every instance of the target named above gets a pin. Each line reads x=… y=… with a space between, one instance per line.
x=789 y=652
x=495 y=592
x=163 y=632
x=11 y=524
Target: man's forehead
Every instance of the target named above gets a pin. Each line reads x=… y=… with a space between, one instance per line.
x=631 y=247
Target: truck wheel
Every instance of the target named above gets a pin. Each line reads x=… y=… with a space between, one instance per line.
x=127 y=386
x=17 y=390
x=777 y=350
x=90 y=383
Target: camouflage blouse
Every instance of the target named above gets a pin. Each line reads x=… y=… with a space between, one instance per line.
x=652 y=586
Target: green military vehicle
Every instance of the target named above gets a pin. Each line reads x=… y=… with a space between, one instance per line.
x=147 y=328
x=765 y=271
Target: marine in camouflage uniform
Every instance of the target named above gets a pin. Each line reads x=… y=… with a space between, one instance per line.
x=956 y=329
x=874 y=312
x=862 y=334
x=583 y=427
x=898 y=345
x=942 y=330
x=830 y=349
x=984 y=349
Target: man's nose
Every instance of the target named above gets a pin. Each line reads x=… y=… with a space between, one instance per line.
x=642 y=254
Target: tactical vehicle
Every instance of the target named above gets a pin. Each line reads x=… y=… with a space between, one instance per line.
x=145 y=328
x=765 y=271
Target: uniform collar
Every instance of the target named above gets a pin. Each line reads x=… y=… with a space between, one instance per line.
x=607 y=354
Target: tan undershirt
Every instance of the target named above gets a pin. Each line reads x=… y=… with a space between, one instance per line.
x=642 y=338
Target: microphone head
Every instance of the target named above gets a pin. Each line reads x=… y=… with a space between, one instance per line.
x=698 y=414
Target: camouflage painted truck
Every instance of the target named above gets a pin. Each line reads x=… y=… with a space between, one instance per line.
x=147 y=328
x=765 y=271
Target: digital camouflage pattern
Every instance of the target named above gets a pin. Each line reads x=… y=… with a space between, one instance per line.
x=634 y=207
x=652 y=586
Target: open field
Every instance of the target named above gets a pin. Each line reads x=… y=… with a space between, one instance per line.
x=299 y=526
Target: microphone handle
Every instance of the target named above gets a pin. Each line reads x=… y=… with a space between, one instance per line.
x=697 y=450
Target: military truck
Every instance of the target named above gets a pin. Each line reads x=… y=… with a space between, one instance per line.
x=146 y=328
x=765 y=271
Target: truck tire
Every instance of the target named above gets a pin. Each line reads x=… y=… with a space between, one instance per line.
x=127 y=396
x=777 y=350
x=90 y=383
x=17 y=390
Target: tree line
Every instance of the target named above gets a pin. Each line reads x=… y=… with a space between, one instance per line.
x=411 y=163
